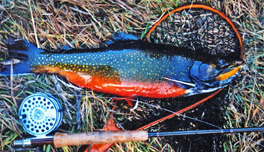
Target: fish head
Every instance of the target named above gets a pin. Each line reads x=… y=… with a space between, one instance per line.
x=209 y=77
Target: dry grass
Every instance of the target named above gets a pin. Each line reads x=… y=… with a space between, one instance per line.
x=52 y=24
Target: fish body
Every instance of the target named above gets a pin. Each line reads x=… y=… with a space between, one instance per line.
x=128 y=67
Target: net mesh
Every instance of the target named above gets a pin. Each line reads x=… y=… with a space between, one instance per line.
x=198 y=30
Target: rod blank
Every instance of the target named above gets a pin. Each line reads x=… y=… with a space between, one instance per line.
x=201 y=132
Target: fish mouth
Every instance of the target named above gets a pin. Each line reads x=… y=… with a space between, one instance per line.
x=231 y=70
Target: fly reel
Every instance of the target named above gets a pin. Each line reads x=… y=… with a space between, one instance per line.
x=40 y=114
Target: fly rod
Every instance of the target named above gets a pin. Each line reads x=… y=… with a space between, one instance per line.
x=41 y=114
x=104 y=137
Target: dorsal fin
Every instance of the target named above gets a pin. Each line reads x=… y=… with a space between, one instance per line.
x=200 y=28
x=120 y=36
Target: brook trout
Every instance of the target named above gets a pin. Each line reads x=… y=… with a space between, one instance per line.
x=128 y=67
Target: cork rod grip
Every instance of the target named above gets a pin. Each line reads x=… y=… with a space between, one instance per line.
x=100 y=137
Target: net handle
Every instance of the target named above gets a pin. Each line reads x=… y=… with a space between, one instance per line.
x=200 y=6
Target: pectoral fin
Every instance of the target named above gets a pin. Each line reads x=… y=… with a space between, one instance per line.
x=110 y=126
x=182 y=84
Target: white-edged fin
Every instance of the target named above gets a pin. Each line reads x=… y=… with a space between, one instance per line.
x=135 y=107
x=9 y=62
x=195 y=91
x=180 y=82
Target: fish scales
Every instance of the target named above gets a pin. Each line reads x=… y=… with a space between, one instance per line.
x=130 y=64
x=129 y=71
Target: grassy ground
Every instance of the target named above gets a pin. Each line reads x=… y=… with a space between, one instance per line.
x=52 y=24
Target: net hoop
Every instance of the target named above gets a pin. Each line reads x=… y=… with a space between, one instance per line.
x=205 y=7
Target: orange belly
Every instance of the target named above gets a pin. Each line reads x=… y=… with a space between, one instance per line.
x=124 y=89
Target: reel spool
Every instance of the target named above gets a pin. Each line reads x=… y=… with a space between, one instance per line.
x=40 y=114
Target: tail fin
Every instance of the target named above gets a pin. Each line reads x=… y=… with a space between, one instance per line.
x=20 y=53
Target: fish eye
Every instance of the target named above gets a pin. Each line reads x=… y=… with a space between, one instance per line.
x=221 y=61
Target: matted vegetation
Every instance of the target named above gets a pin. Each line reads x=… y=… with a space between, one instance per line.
x=53 y=24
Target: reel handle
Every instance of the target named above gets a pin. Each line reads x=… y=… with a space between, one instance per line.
x=98 y=137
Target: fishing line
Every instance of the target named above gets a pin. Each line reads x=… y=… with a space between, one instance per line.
x=150 y=105
x=142 y=102
x=182 y=115
x=137 y=101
